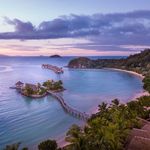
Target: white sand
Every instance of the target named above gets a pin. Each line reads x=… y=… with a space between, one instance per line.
x=137 y=95
x=131 y=72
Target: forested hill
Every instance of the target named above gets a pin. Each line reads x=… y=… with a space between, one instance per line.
x=138 y=62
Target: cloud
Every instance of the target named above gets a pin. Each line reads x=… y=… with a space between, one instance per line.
x=20 y=26
x=20 y=47
x=131 y=28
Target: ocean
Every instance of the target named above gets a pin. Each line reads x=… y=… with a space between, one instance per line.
x=31 y=121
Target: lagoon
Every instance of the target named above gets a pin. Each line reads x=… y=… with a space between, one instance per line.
x=30 y=121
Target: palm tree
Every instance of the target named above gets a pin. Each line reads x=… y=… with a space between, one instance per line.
x=102 y=107
x=115 y=102
x=76 y=137
x=48 y=145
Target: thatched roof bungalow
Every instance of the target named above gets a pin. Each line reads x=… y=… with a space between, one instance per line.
x=19 y=84
x=32 y=86
x=139 y=139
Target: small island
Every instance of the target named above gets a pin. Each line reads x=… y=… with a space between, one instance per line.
x=39 y=90
x=55 y=56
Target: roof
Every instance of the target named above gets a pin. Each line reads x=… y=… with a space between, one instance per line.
x=139 y=139
x=19 y=83
x=32 y=86
x=139 y=143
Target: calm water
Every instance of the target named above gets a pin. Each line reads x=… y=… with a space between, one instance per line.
x=30 y=121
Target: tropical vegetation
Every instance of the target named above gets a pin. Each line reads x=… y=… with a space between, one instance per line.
x=109 y=128
x=139 y=63
x=53 y=85
x=146 y=82
x=29 y=90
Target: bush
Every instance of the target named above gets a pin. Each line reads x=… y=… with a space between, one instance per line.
x=48 y=145
x=146 y=82
x=25 y=148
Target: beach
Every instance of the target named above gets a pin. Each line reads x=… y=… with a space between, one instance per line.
x=137 y=95
x=127 y=71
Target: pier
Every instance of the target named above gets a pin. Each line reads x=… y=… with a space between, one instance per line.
x=81 y=115
x=69 y=109
x=53 y=68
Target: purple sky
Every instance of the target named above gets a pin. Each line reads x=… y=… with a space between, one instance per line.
x=98 y=27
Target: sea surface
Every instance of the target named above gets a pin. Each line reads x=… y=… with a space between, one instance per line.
x=31 y=121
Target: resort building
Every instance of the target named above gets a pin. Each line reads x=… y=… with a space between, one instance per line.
x=19 y=85
x=32 y=86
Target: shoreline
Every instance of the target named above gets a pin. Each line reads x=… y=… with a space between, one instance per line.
x=136 y=96
x=127 y=71
x=61 y=141
x=115 y=69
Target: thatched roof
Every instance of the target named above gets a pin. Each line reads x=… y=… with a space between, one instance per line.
x=146 y=127
x=32 y=86
x=139 y=143
x=19 y=83
x=139 y=132
x=139 y=139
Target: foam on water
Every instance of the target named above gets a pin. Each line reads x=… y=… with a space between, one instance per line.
x=5 y=69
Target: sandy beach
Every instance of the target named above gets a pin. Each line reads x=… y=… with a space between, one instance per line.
x=131 y=72
x=137 y=95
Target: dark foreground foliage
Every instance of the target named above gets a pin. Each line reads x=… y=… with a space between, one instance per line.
x=48 y=145
x=106 y=130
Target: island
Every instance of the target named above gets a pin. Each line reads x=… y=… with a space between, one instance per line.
x=55 y=56
x=39 y=90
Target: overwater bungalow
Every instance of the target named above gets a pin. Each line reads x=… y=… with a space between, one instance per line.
x=19 y=85
x=53 y=68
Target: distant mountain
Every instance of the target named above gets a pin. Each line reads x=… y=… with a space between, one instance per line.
x=3 y=55
x=55 y=56
x=138 y=62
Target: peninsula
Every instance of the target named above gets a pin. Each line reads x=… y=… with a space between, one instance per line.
x=139 y=63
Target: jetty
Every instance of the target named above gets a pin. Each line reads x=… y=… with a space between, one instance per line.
x=80 y=115
x=68 y=109
x=56 y=69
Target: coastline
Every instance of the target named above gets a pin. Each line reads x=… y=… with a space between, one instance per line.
x=137 y=95
x=127 y=71
x=63 y=143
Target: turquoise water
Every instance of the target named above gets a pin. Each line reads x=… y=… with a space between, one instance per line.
x=30 y=121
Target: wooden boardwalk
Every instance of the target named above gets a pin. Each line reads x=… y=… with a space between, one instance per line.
x=69 y=109
x=66 y=107
x=53 y=68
